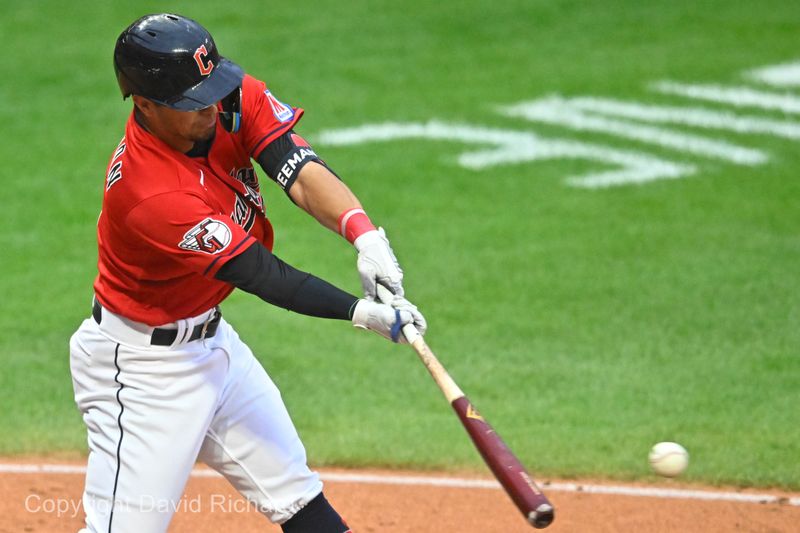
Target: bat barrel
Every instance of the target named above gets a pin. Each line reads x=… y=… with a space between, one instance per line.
x=508 y=470
x=534 y=505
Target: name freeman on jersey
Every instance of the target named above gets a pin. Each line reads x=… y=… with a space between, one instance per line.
x=296 y=158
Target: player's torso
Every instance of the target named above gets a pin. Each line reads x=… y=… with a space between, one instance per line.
x=141 y=282
x=229 y=183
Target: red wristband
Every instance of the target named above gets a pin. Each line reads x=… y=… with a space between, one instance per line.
x=353 y=223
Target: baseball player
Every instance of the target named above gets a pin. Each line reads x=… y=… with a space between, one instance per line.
x=161 y=379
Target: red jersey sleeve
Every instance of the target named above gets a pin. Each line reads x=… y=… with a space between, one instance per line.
x=264 y=117
x=183 y=227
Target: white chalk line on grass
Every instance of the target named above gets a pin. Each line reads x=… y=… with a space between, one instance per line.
x=461 y=483
x=784 y=75
x=563 y=112
x=632 y=120
x=691 y=116
x=735 y=96
x=513 y=146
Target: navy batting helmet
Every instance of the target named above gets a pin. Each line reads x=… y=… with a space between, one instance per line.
x=173 y=61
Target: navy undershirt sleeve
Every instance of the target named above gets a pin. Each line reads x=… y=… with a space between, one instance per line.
x=258 y=271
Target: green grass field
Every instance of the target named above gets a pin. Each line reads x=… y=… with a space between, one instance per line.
x=585 y=324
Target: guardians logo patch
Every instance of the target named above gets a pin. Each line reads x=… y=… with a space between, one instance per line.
x=210 y=236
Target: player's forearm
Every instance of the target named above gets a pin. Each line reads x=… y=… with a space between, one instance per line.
x=322 y=195
x=259 y=272
x=316 y=189
x=291 y=162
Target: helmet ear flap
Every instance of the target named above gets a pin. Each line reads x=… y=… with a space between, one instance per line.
x=230 y=115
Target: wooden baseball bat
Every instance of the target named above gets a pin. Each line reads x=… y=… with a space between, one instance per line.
x=505 y=466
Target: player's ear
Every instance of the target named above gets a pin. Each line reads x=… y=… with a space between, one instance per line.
x=143 y=104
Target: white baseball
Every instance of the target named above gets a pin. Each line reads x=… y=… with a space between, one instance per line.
x=668 y=459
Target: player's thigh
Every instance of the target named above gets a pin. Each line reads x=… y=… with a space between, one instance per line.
x=147 y=413
x=254 y=444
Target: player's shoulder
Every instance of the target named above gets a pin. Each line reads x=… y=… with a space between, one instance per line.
x=255 y=93
x=142 y=170
x=263 y=115
x=252 y=84
x=139 y=170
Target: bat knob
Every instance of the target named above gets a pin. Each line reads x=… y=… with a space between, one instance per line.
x=542 y=516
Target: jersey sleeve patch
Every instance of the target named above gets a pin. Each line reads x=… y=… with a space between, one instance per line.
x=282 y=112
x=264 y=117
x=210 y=236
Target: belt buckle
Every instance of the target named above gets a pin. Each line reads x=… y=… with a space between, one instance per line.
x=211 y=318
x=205 y=326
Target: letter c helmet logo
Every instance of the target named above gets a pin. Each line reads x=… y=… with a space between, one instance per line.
x=203 y=63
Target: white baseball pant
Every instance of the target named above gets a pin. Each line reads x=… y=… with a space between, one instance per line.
x=152 y=411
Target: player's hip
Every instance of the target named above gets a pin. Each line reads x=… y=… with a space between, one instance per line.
x=186 y=334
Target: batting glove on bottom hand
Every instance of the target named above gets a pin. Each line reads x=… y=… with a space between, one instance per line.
x=401 y=304
x=387 y=320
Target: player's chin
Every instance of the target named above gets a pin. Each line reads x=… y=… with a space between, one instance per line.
x=205 y=133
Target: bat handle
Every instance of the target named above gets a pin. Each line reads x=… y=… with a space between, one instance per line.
x=409 y=331
x=448 y=386
x=411 y=334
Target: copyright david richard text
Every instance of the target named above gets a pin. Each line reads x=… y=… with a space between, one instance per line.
x=72 y=508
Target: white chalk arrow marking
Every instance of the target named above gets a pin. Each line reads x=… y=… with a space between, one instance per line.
x=513 y=146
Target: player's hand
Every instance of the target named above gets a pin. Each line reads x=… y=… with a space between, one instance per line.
x=378 y=264
x=387 y=320
x=400 y=303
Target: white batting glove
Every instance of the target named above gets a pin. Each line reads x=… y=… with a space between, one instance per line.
x=383 y=319
x=377 y=264
x=401 y=304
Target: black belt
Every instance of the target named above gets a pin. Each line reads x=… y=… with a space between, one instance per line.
x=166 y=337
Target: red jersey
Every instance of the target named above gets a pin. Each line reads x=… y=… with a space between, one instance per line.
x=170 y=221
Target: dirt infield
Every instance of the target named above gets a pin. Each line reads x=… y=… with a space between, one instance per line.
x=38 y=502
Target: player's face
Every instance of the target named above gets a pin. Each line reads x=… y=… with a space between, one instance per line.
x=179 y=129
x=189 y=125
